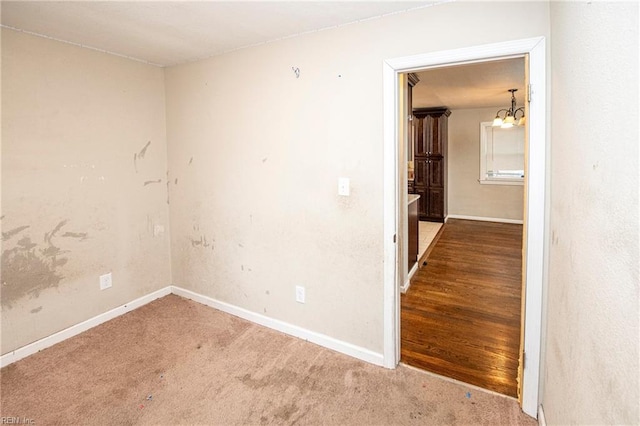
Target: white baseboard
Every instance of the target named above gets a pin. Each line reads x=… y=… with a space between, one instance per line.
x=407 y=284
x=37 y=346
x=284 y=327
x=542 y=421
x=485 y=219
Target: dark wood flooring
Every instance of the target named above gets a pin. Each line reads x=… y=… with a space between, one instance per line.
x=461 y=316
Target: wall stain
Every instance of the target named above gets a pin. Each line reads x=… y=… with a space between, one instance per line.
x=190 y=160
x=12 y=232
x=36 y=310
x=1 y=217
x=149 y=182
x=264 y=160
x=25 y=272
x=143 y=151
x=176 y=181
x=81 y=235
x=140 y=155
x=27 y=269
x=202 y=242
x=49 y=235
x=26 y=243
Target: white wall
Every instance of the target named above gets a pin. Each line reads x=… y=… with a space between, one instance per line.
x=466 y=196
x=592 y=357
x=73 y=205
x=257 y=154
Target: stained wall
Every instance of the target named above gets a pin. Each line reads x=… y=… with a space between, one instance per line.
x=84 y=185
x=593 y=336
x=258 y=153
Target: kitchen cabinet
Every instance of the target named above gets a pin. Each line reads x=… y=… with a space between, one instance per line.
x=430 y=162
x=412 y=209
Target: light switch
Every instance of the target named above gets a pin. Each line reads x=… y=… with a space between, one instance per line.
x=343 y=186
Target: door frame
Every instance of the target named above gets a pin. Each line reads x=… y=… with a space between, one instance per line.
x=535 y=215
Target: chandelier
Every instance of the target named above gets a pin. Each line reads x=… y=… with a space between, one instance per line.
x=509 y=115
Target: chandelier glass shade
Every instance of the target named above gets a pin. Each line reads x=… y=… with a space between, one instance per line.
x=506 y=118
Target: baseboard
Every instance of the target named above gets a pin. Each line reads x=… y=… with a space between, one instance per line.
x=542 y=421
x=284 y=327
x=485 y=219
x=407 y=284
x=37 y=346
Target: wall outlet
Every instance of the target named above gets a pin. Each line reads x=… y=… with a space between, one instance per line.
x=105 y=281
x=299 y=294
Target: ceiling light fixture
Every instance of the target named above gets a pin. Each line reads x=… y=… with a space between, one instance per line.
x=509 y=118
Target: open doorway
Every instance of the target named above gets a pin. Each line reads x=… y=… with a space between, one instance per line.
x=535 y=229
x=461 y=315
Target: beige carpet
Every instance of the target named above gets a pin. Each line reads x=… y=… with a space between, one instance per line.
x=175 y=361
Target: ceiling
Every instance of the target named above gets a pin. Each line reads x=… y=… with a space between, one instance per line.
x=479 y=85
x=166 y=33
x=172 y=32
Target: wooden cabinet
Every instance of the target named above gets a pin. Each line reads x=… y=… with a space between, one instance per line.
x=430 y=161
x=412 y=254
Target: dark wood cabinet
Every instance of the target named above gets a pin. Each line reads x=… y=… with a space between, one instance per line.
x=430 y=161
x=412 y=254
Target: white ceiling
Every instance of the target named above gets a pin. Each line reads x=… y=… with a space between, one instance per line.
x=173 y=32
x=478 y=85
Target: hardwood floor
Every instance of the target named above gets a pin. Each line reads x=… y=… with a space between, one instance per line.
x=461 y=316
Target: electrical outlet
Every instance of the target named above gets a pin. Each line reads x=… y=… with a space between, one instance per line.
x=299 y=294
x=105 y=281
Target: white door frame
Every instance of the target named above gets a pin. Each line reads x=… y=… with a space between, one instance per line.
x=535 y=214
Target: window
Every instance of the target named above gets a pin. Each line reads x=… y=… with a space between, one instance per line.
x=501 y=155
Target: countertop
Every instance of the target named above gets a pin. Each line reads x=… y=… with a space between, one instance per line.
x=412 y=198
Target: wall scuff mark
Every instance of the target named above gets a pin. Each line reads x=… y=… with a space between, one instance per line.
x=140 y=155
x=201 y=242
x=168 y=183
x=149 y=182
x=143 y=151
x=12 y=232
x=80 y=235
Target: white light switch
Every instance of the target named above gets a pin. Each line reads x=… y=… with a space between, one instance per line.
x=343 y=186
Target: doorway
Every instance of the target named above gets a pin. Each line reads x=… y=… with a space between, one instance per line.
x=461 y=315
x=536 y=231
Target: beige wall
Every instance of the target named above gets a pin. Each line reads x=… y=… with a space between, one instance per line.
x=592 y=356
x=257 y=154
x=465 y=194
x=73 y=204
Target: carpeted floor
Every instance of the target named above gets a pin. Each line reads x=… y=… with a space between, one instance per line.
x=175 y=361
